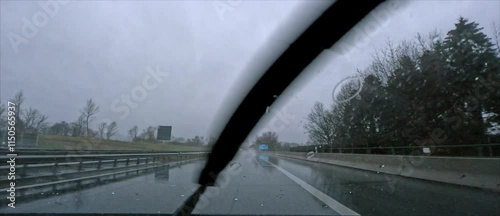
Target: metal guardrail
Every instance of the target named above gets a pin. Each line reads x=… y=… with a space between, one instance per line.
x=471 y=150
x=34 y=171
x=38 y=151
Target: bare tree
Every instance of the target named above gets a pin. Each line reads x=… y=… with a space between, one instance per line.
x=77 y=127
x=111 y=130
x=151 y=133
x=88 y=112
x=197 y=140
x=148 y=134
x=18 y=100
x=320 y=126
x=133 y=132
x=102 y=129
x=60 y=128
x=34 y=121
x=2 y=110
x=93 y=133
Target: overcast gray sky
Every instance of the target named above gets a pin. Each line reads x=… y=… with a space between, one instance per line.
x=179 y=62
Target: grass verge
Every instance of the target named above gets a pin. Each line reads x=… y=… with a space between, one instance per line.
x=83 y=143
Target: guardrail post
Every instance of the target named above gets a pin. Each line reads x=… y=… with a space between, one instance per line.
x=127 y=162
x=147 y=160
x=23 y=173
x=80 y=166
x=490 y=150
x=138 y=160
x=54 y=169
x=99 y=165
x=114 y=164
x=393 y=151
x=480 y=151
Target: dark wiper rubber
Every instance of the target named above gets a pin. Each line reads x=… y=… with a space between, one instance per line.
x=335 y=22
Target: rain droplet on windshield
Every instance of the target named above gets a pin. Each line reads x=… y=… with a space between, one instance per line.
x=112 y=192
x=234 y=166
x=382 y=166
x=235 y=199
x=280 y=196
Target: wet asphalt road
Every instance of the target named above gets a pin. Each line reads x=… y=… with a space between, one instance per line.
x=371 y=193
x=252 y=185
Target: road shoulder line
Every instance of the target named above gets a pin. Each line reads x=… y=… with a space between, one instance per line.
x=330 y=202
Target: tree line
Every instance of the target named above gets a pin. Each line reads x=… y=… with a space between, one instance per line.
x=33 y=121
x=432 y=90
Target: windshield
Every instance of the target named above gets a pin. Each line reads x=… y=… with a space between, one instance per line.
x=114 y=106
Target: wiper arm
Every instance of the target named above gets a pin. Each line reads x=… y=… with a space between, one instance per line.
x=322 y=34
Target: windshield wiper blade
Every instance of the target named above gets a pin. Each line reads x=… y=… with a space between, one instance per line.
x=322 y=34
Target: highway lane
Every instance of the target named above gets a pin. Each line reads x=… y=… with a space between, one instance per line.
x=248 y=186
x=371 y=193
x=252 y=184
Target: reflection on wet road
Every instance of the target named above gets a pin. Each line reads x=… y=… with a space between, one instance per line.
x=251 y=184
x=159 y=191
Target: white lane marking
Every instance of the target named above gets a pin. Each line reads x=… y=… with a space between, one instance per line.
x=330 y=202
